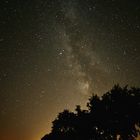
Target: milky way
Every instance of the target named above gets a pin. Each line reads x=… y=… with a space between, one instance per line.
x=55 y=53
x=81 y=58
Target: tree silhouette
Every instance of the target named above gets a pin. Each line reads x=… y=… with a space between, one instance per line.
x=121 y=110
x=114 y=115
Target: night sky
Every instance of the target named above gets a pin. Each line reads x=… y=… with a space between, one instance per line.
x=55 y=53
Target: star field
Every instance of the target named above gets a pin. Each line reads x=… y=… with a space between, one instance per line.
x=55 y=53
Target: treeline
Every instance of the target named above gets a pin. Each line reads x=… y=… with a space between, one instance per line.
x=115 y=115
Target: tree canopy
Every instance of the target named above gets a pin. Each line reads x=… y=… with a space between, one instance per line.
x=115 y=115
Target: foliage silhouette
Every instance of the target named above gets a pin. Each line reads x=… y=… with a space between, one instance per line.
x=116 y=113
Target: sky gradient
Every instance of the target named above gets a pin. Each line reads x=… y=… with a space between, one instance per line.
x=55 y=53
